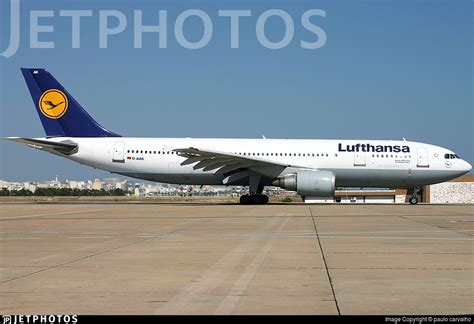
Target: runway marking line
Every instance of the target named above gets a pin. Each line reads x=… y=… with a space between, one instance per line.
x=52 y=214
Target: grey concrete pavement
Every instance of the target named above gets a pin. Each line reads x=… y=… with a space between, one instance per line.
x=232 y=259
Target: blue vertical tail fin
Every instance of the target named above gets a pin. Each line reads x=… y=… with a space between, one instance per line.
x=59 y=112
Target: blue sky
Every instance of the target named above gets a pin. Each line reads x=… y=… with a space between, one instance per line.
x=389 y=69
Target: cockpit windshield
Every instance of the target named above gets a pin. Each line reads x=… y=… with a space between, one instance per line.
x=451 y=156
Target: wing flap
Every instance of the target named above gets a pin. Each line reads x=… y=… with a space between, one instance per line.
x=224 y=162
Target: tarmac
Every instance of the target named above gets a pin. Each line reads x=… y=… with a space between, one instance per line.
x=231 y=259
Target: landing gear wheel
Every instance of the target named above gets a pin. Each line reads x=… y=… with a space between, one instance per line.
x=261 y=199
x=245 y=200
x=253 y=199
x=413 y=200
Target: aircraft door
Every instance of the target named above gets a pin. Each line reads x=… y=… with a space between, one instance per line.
x=422 y=156
x=119 y=152
x=359 y=158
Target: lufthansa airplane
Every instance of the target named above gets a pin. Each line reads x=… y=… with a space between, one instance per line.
x=309 y=167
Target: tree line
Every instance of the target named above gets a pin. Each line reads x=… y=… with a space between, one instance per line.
x=61 y=192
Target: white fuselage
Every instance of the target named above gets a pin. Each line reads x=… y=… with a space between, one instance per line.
x=355 y=163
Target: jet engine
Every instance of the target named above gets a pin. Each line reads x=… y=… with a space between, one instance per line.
x=308 y=183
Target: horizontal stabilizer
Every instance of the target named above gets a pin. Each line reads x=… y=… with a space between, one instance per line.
x=64 y=147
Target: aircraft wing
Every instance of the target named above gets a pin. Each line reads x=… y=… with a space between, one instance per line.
x=64 y=147
x=231 y=165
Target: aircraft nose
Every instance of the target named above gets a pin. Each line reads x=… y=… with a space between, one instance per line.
x=467 y=166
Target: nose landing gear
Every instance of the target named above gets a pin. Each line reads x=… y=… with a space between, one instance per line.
x=414 y=198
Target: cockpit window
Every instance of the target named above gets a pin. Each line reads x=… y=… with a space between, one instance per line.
x=451 y=156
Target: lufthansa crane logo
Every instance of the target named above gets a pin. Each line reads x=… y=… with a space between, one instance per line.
x=53 y=104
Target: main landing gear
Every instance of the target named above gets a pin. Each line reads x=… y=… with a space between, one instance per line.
x=255 y=196
x=256 y=199
x=414 y=198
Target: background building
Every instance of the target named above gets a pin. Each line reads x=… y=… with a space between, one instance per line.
x=456 y=191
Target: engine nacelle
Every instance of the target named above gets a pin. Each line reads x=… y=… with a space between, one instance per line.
x=309 y=183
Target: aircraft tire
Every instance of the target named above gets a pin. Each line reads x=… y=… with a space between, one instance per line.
x=245 y=200
x=413 y=200
x=253 y=200
x=260 y=199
